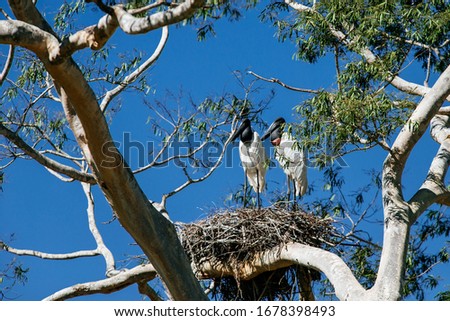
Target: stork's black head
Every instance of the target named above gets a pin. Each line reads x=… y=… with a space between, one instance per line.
x=275 y=131
x=244 y=132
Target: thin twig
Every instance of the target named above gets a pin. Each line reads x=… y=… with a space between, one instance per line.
x=279 y=82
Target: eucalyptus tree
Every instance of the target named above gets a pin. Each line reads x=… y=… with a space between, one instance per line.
x=369 y=104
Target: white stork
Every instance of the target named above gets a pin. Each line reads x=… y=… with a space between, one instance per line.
x=253 y=157
x=292 y=159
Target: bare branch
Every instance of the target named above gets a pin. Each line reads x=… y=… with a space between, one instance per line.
x=427 y=77
x=8 y=64
x=19 y=33
x=138 y=72
x=116 y=283
x=412 y=42
x=279 y=82
x=96 y=36
x=151 y=6
x=101 y=247
x=49 y=256
x=200 y=179
x=43 y=160
x=5 y=14
x=59 y=176
x=298 y=6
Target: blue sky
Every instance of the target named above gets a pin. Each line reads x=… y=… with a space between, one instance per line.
x=48 y=215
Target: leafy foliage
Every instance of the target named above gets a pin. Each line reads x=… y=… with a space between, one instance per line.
x=11 y=275
x=421 y=259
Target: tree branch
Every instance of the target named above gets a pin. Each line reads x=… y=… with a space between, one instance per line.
x=395 y=80
x=19 y=33
x=43 y=160
x=399 y=215
x=49 y=256
x=433 y=189
x=153 y=232
x=138 y=72
x=282 y=84
x=197 y=180
x=7 y=65
x=116 y=283
x=338 y=273
x=150 y=6
x=421 y=117
x=440 y=128
x=95 y=37
x=132 y=25
x=101 y=247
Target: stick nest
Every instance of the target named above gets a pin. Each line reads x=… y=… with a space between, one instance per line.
x=235 y=237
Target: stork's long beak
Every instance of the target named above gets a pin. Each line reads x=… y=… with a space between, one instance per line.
x=272 y=127
x=237 y=132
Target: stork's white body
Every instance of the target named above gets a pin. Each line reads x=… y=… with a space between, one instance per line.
x=254 y=161
x=292 y=160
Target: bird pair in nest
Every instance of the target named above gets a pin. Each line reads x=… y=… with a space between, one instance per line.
x=252 y=153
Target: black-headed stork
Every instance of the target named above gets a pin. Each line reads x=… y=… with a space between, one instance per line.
x=292 y=159
x=253 y=157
